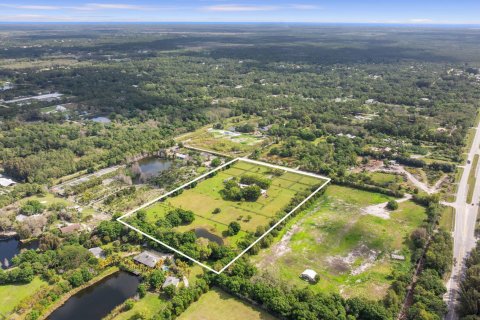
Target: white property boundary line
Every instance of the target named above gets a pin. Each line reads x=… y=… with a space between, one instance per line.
x=207 y=174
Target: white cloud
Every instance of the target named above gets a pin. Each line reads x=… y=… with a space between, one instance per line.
x=237 y=8
x=420 y=20
x=29 y=7
x=304 y=6
x=111 y=6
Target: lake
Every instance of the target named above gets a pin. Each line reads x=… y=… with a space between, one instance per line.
x=10 y=247
x=204 y=233
x=98 y=300
x=149 y=167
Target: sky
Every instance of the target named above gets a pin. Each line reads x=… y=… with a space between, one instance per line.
x=319 y=11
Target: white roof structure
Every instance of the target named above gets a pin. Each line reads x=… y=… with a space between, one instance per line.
x=5 y=182
x=97 y=252
x=309 y=274
x=397 y=257
x=171 y=281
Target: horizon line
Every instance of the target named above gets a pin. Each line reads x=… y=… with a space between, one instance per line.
x=477 y=24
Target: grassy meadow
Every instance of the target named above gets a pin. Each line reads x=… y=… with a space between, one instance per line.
x=11 y=295
x=206 y=196
x=219 y=305
x=349 y=248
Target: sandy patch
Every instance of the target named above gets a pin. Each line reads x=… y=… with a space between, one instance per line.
x=343 y=264
x=380 y=210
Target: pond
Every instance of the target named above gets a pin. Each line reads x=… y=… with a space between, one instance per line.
x=98 y=300
x=204 y=233
x=10 y=247
x=149 y=167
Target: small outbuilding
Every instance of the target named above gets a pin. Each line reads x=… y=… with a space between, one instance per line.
x=97 y=252
x=5 y=182
x=171 y=281
x=309 y=275
x=397 y=257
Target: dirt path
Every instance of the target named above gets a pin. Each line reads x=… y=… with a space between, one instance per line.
x=282 y=247
x=380 y=210
x=417 y=183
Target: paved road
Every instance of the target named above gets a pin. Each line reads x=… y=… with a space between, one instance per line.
x=463 y=235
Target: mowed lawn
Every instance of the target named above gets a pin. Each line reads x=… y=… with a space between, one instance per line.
x=148 y=306
x=218 y=305
x=12 y=295
x=206 y=196
x=348 y=248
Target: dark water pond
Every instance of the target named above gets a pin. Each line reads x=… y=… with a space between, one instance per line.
x=204 y=233
x=96 y=301
x=150 y=167
x=10 y=247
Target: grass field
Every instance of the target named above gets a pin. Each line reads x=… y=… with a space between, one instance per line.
x=206 y=196
x=348 y=248
x=147 y=307
x=385 y=178
x=218 y=305
x=12 y=295
x=447 y=220
x=224 y=141
x=472 y=179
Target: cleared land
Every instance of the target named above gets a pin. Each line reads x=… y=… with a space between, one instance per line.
x=205 y=197
x=349 y=248
x=218 y=305
x=224 y=140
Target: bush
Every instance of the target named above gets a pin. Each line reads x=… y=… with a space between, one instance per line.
x=233 y=228
x=32 y=207
x=392 y=205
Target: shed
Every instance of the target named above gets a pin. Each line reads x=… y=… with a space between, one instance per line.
x=5 y=182
x=171 y=281
x=97 y=252
x=309 y=275
x=397 y=257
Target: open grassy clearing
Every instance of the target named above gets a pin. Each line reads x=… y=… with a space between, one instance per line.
x=12 y=295
x=206 y=196
x=348 y=248
x=218 y=305
x=147 y=307
x=472 y=178
x=225 y=140
x=385 y=178
x=447 y=220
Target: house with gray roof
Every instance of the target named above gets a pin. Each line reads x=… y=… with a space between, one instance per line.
x=171 y=281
